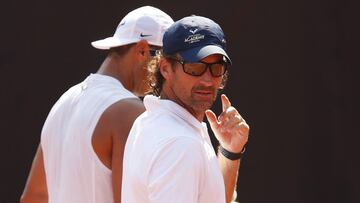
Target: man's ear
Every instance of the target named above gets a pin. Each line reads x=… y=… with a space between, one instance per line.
x=141 y=48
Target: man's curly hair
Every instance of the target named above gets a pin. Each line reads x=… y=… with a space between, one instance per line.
x=156 y=80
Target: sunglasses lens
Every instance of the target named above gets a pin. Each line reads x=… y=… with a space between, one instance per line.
x=152 y=52
x=217 y=69
x=195 y=69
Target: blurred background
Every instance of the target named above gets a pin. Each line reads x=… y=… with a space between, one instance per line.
x=294 y=80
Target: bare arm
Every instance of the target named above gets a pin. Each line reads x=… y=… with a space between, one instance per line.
x=110 y=137
x=35 y=189
x=232 y=132
x=229 y=170
x=127 y=112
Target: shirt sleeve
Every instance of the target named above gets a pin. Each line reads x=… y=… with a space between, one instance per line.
x=177 y=172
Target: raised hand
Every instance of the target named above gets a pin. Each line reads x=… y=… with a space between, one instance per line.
x=229 y=128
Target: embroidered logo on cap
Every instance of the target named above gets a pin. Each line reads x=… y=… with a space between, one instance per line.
x=193 y=31
x=194 y=38
x=142 y=35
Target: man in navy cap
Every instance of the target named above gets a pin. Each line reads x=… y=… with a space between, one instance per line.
x=168 y=155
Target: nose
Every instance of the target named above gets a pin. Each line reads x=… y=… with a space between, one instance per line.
x=206 y=78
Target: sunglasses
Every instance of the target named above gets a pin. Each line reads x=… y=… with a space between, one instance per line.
x=217 y=69
x=154 y=51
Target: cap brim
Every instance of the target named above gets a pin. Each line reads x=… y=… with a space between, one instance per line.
x=111 y=42
x=198 y=53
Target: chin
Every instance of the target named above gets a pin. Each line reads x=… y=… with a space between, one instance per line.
x=202 y=106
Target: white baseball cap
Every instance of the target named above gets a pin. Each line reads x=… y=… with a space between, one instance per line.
x=144 y=23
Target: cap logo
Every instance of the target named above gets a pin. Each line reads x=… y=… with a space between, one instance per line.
x=194 y=38
x=193 y=31
x=142 y=35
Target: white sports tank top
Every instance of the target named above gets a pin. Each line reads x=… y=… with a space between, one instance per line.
x=74 y=173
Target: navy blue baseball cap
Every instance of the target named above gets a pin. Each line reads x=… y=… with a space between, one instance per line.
x=194 y=38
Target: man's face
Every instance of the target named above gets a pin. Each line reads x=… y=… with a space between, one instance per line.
x=195 y=93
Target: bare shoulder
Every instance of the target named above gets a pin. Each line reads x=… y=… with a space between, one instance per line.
x=118 y=118
x=121 y=115
x=112 y=129
x=125 y=109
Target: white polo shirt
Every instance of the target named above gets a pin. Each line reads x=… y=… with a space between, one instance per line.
x=169 y=158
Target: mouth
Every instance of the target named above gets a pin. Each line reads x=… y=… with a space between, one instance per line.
x=204 y=94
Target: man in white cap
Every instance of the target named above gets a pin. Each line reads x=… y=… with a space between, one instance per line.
x=79 y=159
x=168 y=155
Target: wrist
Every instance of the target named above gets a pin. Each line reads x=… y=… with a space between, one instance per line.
x=231 y=155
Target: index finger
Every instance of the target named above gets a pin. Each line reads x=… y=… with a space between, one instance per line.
x=225 y=102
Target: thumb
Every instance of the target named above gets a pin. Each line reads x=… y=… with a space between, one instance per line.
x=211 y=117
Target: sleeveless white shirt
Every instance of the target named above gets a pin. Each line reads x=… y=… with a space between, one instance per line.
x=74 y=173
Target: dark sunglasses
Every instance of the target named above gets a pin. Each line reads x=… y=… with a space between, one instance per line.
x=217 y=69
x=154 y=51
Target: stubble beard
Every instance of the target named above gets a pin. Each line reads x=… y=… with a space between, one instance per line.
x=200 y=106
x=194 y=103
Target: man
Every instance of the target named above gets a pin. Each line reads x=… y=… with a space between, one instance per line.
x=79 y=158
x=168 y=155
